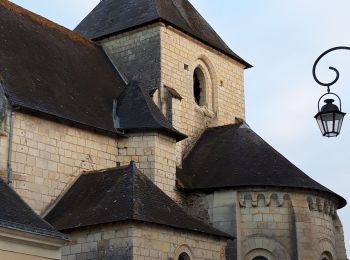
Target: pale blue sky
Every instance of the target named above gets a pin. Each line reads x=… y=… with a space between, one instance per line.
x=281 y=39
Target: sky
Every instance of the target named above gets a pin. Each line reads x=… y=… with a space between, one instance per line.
x=281 y=39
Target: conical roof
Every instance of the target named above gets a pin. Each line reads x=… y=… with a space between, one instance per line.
x=136 y=111
x=121 y=194
x=116 y=16
x=235 y=156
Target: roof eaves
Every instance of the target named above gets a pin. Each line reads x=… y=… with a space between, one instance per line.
x=18 y=105
x=32 y=230
x=213 y=232
x=189 y=188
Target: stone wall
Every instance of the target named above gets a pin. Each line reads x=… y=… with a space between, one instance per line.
x=266 y=223
x=154 y=155
x=159 y=56
x=318 y=226
x=21 y=245
x=48 y=156
x=277 y=224
x=141 y=242
x=4 y=129
x=137 y=54
x=224 y=84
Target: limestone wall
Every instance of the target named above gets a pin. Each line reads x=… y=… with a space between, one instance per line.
x=141 y=242
x=318 y=227
x=266 y=225
x=162 y=57
x=154 y=154
x=278 y=224
x=48 y=156
x=137 y=54
x=3 y=149
x=223 y=78
x=21 y=245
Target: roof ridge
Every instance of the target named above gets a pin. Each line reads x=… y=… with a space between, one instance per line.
x=170 y=200
x=156 y=7
x=123 y=195
x=112 y=17
x=46 y=22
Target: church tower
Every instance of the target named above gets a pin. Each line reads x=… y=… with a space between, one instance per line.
x=226 y=170
x=194 y=77
x=132 y=141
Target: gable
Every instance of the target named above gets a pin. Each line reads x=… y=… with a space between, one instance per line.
x=116 y=16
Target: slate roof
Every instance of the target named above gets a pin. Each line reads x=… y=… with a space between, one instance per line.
x=120 y=194
x=49 y=70
x=116 y=16
x=235 y=156
x=16 y=214
x=136 y=111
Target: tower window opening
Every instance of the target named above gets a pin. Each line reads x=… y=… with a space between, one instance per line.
x=184 y=256
x=198 y=86
x=260 y=258
x=326 y=256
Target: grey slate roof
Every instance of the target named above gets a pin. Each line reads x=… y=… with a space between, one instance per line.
x=234 y=156
x=136 y=111
x=16 y=214
x=116 y=16
x=51 y=71
x=120 y=194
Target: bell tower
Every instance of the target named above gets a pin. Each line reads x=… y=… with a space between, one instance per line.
x=193 y=76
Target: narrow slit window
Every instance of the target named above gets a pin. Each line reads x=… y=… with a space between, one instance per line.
x=198 y=86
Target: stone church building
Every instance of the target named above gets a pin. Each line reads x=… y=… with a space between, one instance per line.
x=126 y=139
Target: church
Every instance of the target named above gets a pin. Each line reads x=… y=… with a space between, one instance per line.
x=126 y=139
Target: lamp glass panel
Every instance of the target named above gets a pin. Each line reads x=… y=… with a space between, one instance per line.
x=320 y=124
x=340 y=123
x=336 y=125
x=330 y=126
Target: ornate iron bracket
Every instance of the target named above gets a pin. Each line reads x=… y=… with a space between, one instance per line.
x=328 y=85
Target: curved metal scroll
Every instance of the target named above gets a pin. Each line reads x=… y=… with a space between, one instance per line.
x=331 y=68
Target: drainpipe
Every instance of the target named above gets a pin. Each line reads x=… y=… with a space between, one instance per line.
x=9 y=151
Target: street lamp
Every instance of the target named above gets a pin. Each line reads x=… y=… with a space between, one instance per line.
x=329 y=117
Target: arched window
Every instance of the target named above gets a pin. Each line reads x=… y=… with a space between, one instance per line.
x=199 y=86
x=184 y=256
x=326 y=256
x=260 y=258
